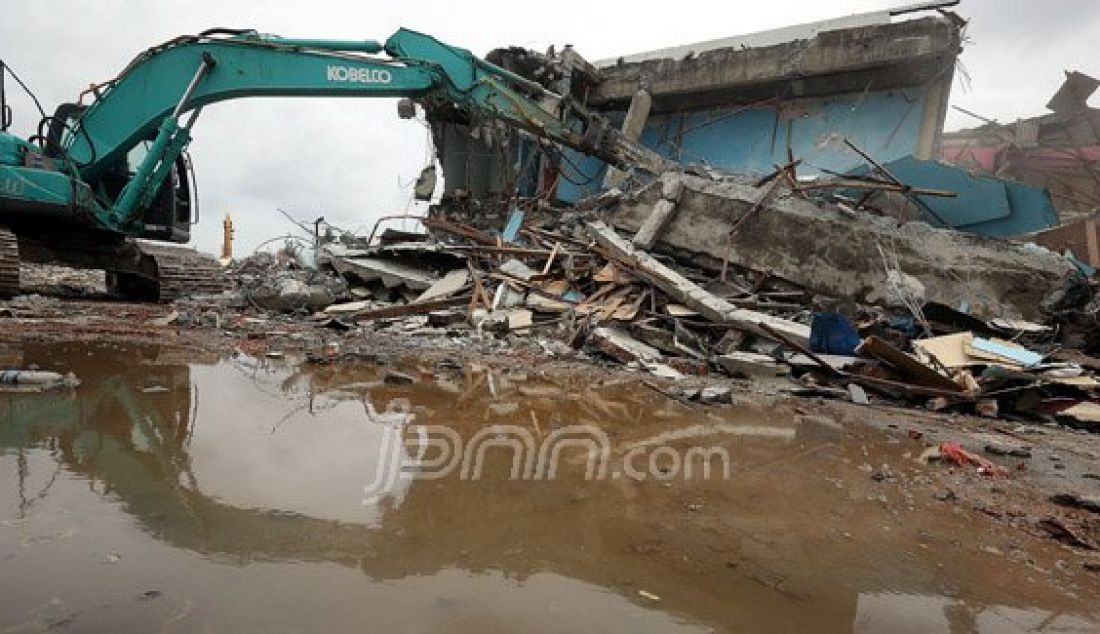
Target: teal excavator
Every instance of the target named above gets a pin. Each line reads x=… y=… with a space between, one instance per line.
x=97 y=177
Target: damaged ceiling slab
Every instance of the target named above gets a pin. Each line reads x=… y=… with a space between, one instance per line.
x=835 y=253
x=830 y=60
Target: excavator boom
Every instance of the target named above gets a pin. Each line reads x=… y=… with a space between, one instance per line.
x=80 y=172
x=148 y=100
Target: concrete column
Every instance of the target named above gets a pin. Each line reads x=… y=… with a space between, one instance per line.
x=636 y=116
x=935 y=113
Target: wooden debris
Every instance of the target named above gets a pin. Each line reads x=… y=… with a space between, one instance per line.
x=456 y=228
x=416 y=308
x=906 y=365
x=688 y=292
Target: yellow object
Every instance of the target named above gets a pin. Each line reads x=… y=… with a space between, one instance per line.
x=227 y=237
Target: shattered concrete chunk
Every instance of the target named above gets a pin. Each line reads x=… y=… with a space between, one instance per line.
x=518 y=269
x=290 y=293
x=1003 y=449
x=392 y=274
x=716 y=395
x=447 y=286
x=747 y=365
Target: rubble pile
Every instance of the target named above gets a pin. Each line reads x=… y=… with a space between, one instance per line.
x=572 y=281
x=282 y=283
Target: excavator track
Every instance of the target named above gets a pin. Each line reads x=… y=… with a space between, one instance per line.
x=9 y=263
x=179 y=272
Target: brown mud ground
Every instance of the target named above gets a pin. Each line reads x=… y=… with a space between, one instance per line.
x=192 y=483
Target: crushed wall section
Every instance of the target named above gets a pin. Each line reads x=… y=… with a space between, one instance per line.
x=835 y=253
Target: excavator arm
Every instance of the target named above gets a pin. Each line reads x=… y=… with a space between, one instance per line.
x=158 y=98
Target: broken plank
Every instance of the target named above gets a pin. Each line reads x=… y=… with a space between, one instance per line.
x=415 y=308
x=550 y=261
x=459 y=229
x=888 y=386
x=852 y=183
x=479 y=296
x=906 y=365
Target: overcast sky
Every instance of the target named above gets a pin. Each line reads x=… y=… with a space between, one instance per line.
x=352 y=160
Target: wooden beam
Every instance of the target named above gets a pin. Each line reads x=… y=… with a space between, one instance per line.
x=416 y=308
x=906 y=365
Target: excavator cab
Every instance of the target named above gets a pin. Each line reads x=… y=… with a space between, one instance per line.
x=169 y=217
x=172 y=212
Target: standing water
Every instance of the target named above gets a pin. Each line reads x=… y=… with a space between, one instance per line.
x=178 y=495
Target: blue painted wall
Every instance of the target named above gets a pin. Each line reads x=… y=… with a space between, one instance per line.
x=750 y=140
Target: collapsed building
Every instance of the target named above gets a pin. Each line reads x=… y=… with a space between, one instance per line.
x=838 y=100
x=740 y=104
x=793 y=224
x=1058 y=151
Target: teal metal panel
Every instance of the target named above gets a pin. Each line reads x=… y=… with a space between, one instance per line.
x=980 y=199
x=985 y=205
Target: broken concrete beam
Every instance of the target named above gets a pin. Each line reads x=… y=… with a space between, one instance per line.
x=617 y=343
x=451 y=283
x=658 y=218
x=392 y=274
x=829 y=61
x=691 y=294
x=633 y=124
x=671 y=188
x=833 y=253
x=749 y=365
x=660 y=338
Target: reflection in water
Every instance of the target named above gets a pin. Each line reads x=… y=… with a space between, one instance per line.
x=236 y=487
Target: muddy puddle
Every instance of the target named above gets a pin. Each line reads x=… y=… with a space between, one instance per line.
x=179 y=494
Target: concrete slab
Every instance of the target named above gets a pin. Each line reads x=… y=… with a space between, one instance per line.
x=834 y=253
x=392 y=274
